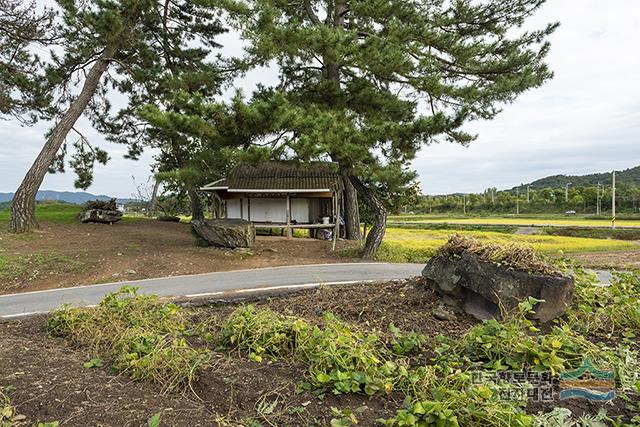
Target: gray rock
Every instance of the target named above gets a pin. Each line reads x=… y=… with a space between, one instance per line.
x=442 y=313
x=226 y=233
x=481 y=288
x=100 y=216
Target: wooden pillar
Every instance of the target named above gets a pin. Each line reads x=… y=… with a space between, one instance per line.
x=336 y=219
x=289 y=230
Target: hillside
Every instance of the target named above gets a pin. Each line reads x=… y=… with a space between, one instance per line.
x=75 y=197
x=627 y=176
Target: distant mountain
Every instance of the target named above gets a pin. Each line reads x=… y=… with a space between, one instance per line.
x=75 y=197
x=627 y=176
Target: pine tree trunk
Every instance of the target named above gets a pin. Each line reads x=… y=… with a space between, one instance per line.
x=379 y=226
x=351 y=211
x=23 y=214
x=154 y=198
x=197 y=211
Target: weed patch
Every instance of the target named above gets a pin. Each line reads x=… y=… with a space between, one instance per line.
x=611 y=311
x=516 y=344
x=142 y=335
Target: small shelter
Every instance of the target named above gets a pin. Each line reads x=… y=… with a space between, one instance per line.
x=281 y=194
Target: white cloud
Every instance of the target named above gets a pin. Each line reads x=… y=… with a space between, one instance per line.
x=587 y=119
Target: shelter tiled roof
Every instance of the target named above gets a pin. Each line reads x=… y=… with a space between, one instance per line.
x=281 y=176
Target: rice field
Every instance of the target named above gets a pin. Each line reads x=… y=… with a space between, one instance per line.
x=415 y=245
x=524 y=221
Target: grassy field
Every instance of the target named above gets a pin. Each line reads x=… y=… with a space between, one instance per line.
x=415 y=245
x=527 y=220
x=54 y=212
x=60 y=213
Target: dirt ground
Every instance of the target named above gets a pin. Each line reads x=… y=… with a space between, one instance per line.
x=51 y=383
x=610 y=260
x=60 y=255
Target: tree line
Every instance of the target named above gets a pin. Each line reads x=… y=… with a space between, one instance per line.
x=581 y=199
x=364 y=84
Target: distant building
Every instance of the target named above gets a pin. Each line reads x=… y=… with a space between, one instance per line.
x=281 y=194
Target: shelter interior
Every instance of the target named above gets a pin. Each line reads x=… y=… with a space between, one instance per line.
x=284 y=195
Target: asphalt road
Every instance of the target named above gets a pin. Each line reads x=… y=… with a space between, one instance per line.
x=263 y=279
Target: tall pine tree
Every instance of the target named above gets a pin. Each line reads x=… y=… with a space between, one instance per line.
x=21 y=27
x=93 y=36
x=146 y=49
x=367 y=83
x=167 y=86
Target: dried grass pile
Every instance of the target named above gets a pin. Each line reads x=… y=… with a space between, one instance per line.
x=511 y=255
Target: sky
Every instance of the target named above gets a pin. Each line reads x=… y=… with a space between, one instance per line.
x=587 y=119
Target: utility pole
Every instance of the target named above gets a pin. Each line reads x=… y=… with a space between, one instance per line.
x=613 y=202
x=566 y=191
x=518 y=201
x=528 y=188
x=599 y=200
x=464 y=204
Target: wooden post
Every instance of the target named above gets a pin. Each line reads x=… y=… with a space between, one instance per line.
x=289 y=231
x=336 y=229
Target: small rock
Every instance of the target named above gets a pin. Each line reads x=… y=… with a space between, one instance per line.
x=442 y=313
x=132 y=272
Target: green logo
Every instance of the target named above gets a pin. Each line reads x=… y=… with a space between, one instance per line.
x=587 y=382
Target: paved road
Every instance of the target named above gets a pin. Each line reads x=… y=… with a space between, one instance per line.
x=211 y=284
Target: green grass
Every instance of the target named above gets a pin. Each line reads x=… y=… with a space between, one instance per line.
x=509 y=229
x=594 y=233
x=415 y=245
x=523 y=220
x=53 y=212
x=59 y=213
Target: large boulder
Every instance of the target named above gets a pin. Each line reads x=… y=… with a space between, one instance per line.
x=226 y=233
x=100 y=215
x=481 y=287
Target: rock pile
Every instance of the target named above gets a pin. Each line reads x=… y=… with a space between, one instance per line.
x=464 y=274
x=100 y=211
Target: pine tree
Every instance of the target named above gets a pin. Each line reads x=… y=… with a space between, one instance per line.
x=174 y=75
x=93 y=36
x=139 y=47
x=368 y=83
x=21 y=29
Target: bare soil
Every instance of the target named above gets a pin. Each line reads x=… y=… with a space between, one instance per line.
x=51 y=383
x=63 y=255
x=629 y=260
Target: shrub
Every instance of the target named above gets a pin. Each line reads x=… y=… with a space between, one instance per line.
x=516 y=344
x=262 y=332
x=339 y=358
x=141 y=334
x=453 y=399
x=613 y=309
